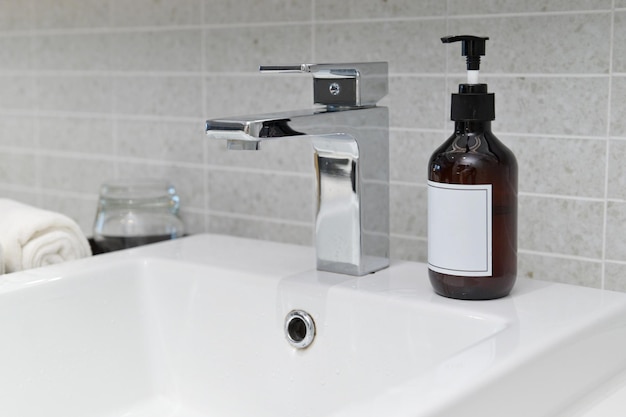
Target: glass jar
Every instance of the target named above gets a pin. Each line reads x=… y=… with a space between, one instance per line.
x=134 y=212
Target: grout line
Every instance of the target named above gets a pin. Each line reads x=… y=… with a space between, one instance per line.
x=616 y=200
x=313 y=30
x=559 y=256
x=607 y=149
x=146 y=29
x=104 y=73
x=417 y=129
x=260 y=24
x=615 y=261
x=192 y=209
x=249 y=170
x=156 y=162
x=531 y=14
x=550 y=136
x=255 y=74
x=562 y=197
x=559 y=75
x=115 y=120
x=53 y=192
x=105 y=116
x=36 y=122
x=409 y=237
x=94 y=156
x=201 y=120
x=254 y=217
x=366 y=20
x=206 y=186
x=448 y=16
x=407 y=183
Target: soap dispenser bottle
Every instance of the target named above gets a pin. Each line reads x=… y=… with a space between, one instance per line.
x=472 y=196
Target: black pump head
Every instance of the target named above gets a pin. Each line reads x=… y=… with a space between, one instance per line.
x=472 y=47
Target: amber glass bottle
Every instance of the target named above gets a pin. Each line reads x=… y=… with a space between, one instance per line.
x=472 y=197
x=474 y=156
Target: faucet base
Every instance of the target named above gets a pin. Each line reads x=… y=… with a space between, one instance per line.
x=372 y=264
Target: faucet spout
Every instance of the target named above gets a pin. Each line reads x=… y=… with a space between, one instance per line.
x=247 y=132
x=351 y=151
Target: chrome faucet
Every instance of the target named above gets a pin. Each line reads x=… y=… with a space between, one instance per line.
x=350 y=137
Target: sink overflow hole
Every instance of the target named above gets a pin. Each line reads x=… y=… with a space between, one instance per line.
x=299 y=329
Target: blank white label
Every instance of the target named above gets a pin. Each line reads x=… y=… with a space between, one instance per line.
x=459 y=229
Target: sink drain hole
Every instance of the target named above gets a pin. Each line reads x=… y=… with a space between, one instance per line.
x=299 y=329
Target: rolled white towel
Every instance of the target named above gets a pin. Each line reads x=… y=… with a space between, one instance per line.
x=31 y=237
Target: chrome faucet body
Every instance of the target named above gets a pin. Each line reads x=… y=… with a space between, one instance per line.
x=350 y=139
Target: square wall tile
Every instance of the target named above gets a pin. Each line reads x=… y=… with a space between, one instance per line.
x=409 y=249
x=410 y=152
x=559 y=166
x=234 y=95
x=416 y=102
x=545 y=105
x=615 y=276
x=373 y=9
x=617 y=169
x=408 y=46
x=561 y=226
x=154 y=51
x=17 y=15
x=515 y=6
x=618 y=106
x=160 y=140
x=245 y=11
x=619 y=42
x=155 y=13
x=84 y=135
x=16 y=52
x=75 y=174
x=65 y=14
x=264 y=229
x=81 y=209
x=615 y=231
x=244 y=49
x=409 y=210
x=75 y=93
x=155 y=95
x=556 y=269
x=571 y=43
x=275 y=196
x=290 y=155
x=31 y=196
x=72 y=52
x=18 y=92
x=195 y=221
x=620 y=3
x=18 y=131
x=17 y=169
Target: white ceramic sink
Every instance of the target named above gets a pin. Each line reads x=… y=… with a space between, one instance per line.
x=194 y=328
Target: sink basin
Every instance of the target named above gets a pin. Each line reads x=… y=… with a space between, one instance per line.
x=195 y=327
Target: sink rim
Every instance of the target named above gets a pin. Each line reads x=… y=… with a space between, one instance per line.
x=536 y=330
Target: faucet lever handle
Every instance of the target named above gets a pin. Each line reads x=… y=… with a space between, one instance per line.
x=346 y=85
x=285 y=68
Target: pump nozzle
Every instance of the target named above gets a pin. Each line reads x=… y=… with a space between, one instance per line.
x=472 y=47
x=473 y=102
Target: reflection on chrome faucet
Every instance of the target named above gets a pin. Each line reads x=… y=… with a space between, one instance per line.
x=350 y=137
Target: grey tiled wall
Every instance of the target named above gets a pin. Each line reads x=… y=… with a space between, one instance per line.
x=96 y=89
